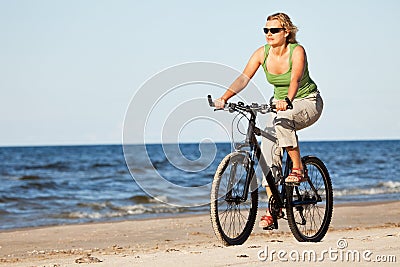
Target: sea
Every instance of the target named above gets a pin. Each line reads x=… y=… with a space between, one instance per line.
x=59 y=185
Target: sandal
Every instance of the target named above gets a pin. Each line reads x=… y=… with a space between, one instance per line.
x=267 y=222
x=296 y=177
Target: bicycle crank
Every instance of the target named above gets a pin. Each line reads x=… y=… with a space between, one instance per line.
x=276 y=213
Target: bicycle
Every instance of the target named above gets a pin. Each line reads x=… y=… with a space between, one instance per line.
x=234 y=191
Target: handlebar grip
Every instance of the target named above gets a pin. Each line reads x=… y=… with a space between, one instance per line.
x=289 y=106
x=210 y=102
x=289 y=103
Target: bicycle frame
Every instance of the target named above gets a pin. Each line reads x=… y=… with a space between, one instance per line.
x=251 y=141
x=236 y=174
x=255 y=148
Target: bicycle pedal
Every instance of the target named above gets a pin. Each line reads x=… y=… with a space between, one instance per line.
x=271 y=227
x=280 y=216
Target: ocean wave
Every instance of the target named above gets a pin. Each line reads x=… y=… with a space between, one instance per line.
x=3 y=212
x=41 y=182
x=96 y=205
x=102 y=165
x=28 y=177
x=119 y=212
x=390 y=184
x=6 y=199
x=39 y=185
x=125 y=171
x=388 y=187
x=144 y=199
x=60 y=166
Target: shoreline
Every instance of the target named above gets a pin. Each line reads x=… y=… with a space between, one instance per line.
x=190 y=237
x=178 y=215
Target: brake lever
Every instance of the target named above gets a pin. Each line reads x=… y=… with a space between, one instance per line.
x=289 y=103
x=210 y=102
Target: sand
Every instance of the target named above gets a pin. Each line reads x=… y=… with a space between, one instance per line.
x=361 y=234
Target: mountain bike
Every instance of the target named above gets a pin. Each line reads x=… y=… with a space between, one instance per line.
x=234 y=192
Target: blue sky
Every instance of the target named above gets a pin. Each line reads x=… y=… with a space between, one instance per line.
x=68 y=69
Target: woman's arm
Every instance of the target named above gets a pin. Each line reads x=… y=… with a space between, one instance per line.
x=298 y=66
x=241 y=82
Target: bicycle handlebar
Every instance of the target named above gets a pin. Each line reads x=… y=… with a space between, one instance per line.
x=262 y=108
x=210 y=101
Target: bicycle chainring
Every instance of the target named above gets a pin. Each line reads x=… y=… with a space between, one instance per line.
x=275 y=211
x=273 y=207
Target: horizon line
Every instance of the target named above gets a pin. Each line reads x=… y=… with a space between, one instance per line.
x=187 y=142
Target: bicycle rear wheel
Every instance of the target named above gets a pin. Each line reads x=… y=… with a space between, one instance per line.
x=310 y=205
x=233 y=217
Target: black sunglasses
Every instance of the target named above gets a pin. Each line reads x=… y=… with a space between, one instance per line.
x=272 y=30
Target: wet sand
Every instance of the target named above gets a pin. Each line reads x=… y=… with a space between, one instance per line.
x=356 y=229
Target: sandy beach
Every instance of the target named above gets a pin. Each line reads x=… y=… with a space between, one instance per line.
x=361 y=233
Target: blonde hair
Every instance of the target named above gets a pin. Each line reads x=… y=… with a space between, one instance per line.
x=287 y=24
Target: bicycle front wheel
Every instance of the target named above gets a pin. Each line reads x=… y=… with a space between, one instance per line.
x=309 y=206
x=233 y=213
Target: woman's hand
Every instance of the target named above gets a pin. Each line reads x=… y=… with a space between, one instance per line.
x=281 y=105
x=219 y=103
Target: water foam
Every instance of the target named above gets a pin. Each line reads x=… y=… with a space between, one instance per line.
x=389 y=187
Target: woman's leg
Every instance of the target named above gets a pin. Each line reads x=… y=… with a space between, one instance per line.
x=305 y=112
x=266 y=220
x=297 y=174
x=294 y=154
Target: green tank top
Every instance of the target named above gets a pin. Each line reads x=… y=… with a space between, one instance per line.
x=281 y=82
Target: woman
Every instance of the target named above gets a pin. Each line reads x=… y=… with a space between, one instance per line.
x=285 y=64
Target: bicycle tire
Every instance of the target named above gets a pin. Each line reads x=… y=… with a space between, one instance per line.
x=233 y=221
x=310 y=222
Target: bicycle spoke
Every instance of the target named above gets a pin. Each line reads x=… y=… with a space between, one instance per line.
x=310 y=221
x=232 y=211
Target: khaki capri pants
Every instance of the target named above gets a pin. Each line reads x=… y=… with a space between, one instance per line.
x=306 y=111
